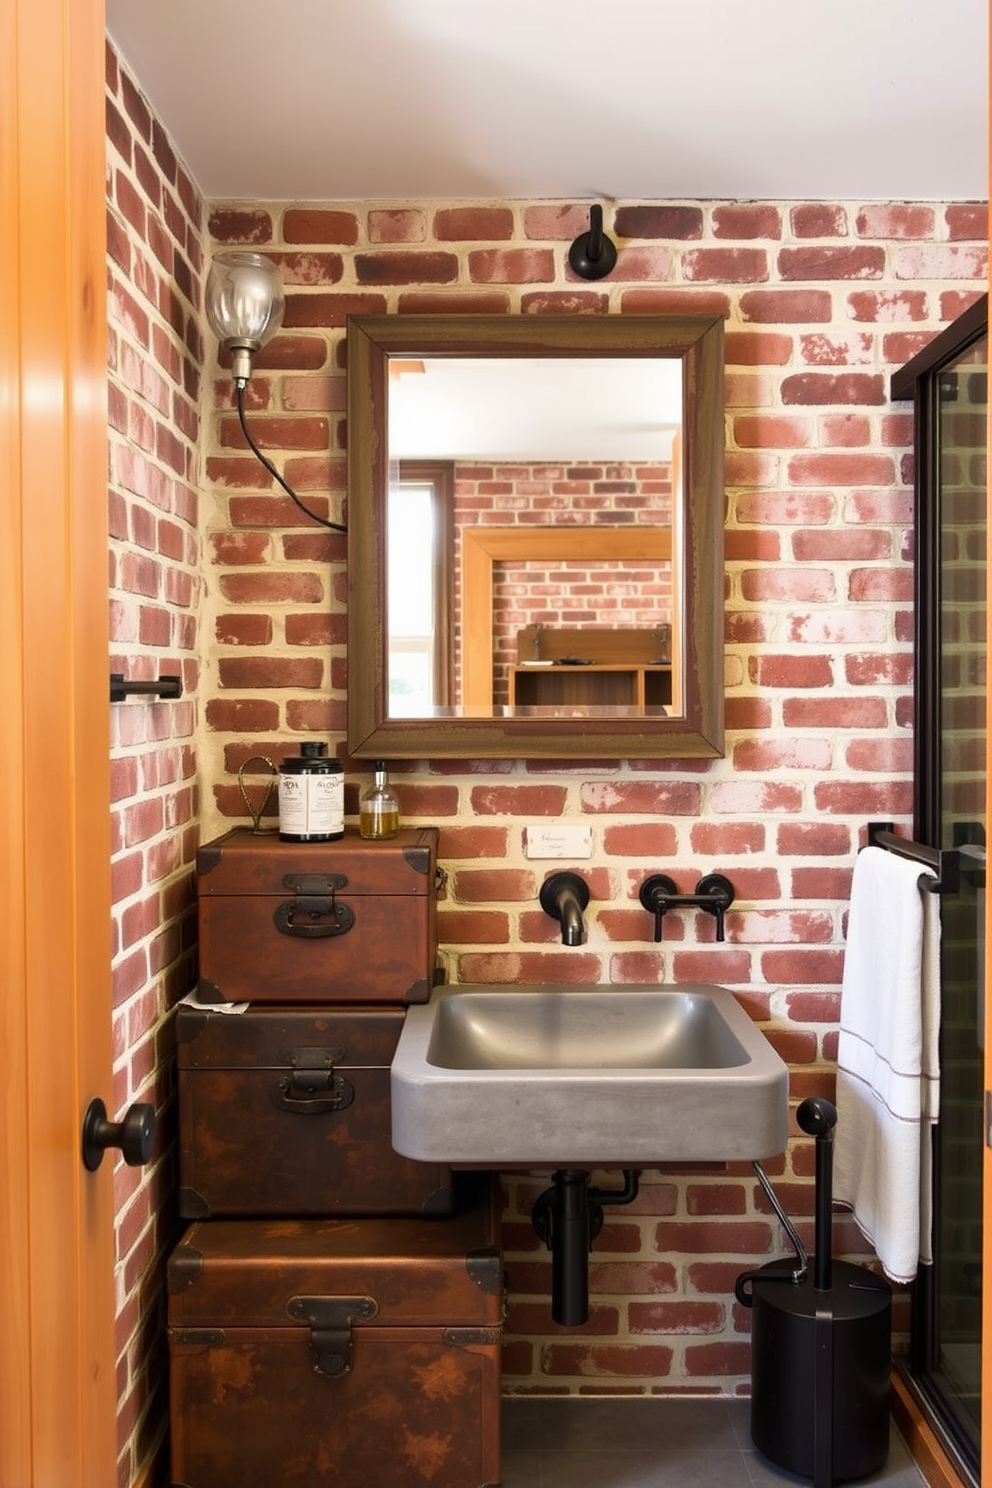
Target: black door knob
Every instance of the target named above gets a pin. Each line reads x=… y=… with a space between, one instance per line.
x=135 y=1135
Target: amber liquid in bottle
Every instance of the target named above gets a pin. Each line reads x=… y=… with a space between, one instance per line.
x=379 y=810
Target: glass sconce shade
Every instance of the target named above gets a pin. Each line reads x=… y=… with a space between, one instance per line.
x=244 y=304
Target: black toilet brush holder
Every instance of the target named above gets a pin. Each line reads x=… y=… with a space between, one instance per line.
x=821 y=1347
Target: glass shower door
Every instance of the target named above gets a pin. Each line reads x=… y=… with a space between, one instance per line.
x=951 y=770
x=962 y=499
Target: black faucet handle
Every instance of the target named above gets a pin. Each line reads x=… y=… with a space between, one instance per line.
x=655 y=895
x=720 y=892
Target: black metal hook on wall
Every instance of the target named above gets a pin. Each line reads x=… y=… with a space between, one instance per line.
x=593 y=254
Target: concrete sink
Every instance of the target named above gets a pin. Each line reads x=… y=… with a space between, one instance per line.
x=598 y=1076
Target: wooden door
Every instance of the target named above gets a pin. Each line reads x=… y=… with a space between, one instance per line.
x=57 y=1366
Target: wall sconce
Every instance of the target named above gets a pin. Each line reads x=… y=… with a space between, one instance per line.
x=244 y=303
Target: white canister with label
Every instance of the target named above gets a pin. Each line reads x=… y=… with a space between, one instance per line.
x=311 y=795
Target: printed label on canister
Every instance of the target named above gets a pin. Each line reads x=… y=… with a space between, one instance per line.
x=311 y=804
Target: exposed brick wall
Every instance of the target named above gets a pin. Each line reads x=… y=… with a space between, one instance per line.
x=154 y=227
x=822 y=301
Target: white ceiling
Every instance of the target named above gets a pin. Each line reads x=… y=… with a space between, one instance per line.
x=568 y=99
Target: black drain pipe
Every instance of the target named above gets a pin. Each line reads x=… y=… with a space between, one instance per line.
x=568 y=1217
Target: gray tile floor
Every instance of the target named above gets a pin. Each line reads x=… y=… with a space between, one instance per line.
x=653 y=1443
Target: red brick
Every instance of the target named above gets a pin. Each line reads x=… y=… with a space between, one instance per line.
x=895 y=220
x=767 y=432
x=714 y=964
x=569 y=967
x=940 y=261
x=967 y=220
x=889 y=756
x=806 y=586
x=310 y=268
x=828 y=349
x=834 y=713
x=641 y=840
x=878 y=305
x=318 y=225
x=658 y=221
x=854 y=262
x=786 y=306
x=877 y=801
x=796 y=673
x=818 y=220
x=873 y=669
x=673 y=301
x=787 y=755
x=715 y=1198
x=247 y=225
x=241 y=715
x=401 y=267
x=676 y=1317
x=477 y=885
x=725 y=265
x=830 y=468
x=850 y=430
x=472 y=841
x=718 y=1358
x=397 y=225
x=239 y=548
x=272 y=588
x=649 y=265
x=511 y=266
x=319 y=629
x=518 y=800
x=793 y=1045
x=662 y=798
x=745 y=1237
x=456 y=303
x=631 y=1278
x=747 y=220
x=565 y=302
x=298 y=353
x=812 y=388
x=270 y=672
x=464 y=927
x=464 y=224
x=757 y=348
x=638 y=1361
x=277 y=433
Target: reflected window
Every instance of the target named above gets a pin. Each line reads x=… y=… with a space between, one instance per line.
x=419 y=582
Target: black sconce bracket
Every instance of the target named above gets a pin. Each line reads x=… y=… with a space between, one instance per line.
x=593 y=254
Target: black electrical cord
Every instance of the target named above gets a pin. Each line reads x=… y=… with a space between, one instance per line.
x=240 y=389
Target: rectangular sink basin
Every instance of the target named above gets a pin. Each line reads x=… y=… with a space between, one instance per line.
x=539 y=1076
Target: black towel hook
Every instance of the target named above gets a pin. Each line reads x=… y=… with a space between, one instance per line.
x=593 y=254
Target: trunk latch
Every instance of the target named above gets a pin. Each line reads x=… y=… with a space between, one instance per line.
x=313 y=913
x=311 y=1086
x=330 y=1320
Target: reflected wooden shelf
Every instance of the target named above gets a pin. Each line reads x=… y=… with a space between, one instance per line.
x=616 y=668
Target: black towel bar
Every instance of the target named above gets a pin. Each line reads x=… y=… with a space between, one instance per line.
x=163 y=687
x=945 y=862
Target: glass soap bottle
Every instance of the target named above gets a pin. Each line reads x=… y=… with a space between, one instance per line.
x=379 y=809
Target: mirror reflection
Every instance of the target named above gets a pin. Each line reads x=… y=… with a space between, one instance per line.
x=535 y=536
x=477 y=444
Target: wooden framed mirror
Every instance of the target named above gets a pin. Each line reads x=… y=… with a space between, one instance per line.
x=568 y=444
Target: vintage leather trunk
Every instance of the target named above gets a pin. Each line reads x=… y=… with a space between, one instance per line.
x=345 y=921
x=286 y=1110
x=357 y=1353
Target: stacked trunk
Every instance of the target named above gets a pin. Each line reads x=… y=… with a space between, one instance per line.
x=335 y=1309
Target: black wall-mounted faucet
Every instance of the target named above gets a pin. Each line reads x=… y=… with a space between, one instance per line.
x=564 y=896
x=714 y=893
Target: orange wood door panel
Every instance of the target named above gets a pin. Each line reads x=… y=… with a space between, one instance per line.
x=57 y=1366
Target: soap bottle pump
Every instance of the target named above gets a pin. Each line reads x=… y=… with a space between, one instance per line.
x=379 y=809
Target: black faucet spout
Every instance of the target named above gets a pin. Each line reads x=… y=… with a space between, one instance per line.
x=564 y=897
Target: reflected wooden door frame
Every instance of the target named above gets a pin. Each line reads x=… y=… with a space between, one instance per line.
x=484 y=547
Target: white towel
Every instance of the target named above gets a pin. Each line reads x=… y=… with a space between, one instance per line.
x=888 y=1074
